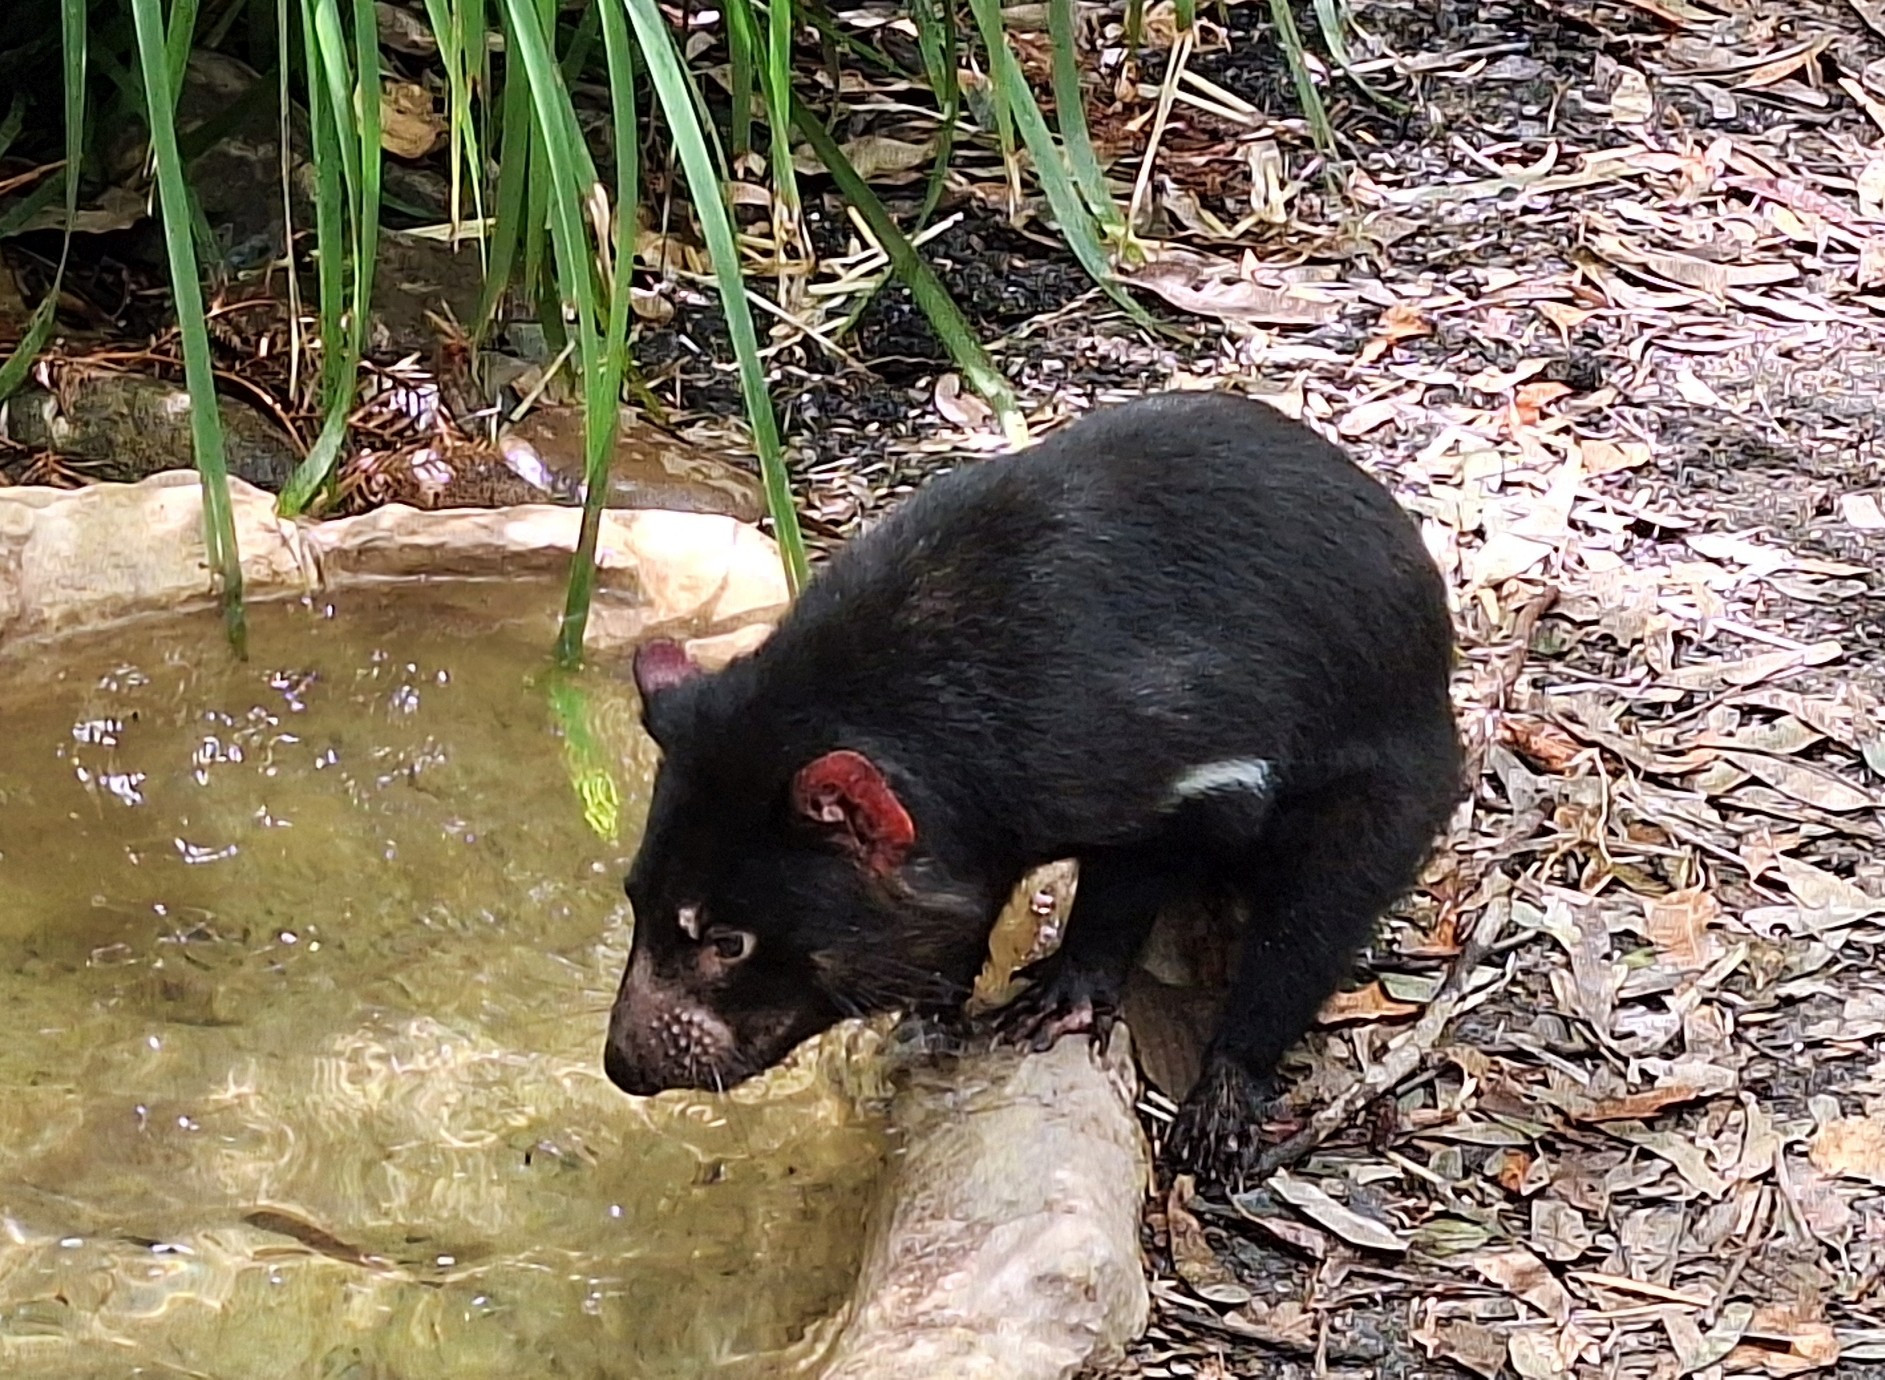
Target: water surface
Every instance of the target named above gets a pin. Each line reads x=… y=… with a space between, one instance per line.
x=305 y=965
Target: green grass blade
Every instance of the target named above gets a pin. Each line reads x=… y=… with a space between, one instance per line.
x=690 y=142
x=776 y=82
x=1070 y=115
x=350 y=95
x=14 y=122
x=537 y=241
x=74 y=17
x=1076 y=222
x=32 y=340
x=328 y=56
x=537 y=204
x=604 y=395
x=937 y=40
x=31 y=204
x=219 y=31
x=1001 y=113
x=742 y=43
x=1332 y=21
x=820 y=19
x=579 y=45
x=567 y=159
x=450 y=24
x=219 y=531
x=550 y=101
x=177 y=44
x=1312 y=108
x=367 y=210
x=127 y=101
x=330 y=125
x=74 y=28
x=513 y=167
x=931 y=296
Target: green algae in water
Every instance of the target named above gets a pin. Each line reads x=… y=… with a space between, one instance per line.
x=305 y=966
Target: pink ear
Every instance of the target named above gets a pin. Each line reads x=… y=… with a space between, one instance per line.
x=661 y=665
x=844 y=789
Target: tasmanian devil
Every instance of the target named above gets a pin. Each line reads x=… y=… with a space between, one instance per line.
x=1184 y=641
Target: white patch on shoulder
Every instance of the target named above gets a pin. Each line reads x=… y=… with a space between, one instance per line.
x=1250 y=775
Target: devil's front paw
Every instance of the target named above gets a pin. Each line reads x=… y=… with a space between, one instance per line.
x=1218 y=1134
x=1061 y=999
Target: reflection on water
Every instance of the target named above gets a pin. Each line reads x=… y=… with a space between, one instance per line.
x=305 y=966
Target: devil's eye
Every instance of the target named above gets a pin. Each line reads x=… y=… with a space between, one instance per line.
x=732 y=945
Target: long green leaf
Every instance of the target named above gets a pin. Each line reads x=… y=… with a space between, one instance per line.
x=1076 y=222
x=776 y=82
x=366 y=36
x=1312 y=108
x=513 y=166
x=349 y=78
x=1331 y=20
x=219 y=530
x=30 y=205
x=32 y=340
x=577 y=57
x=936 y=41
x=449 y=23
x=339 y=358
x=572 y=184
x=330 y=211
x=177 y=43
x=931 y=296
x=14 y=122
x=690 y=142
x=742 y=43
x=327 y=56
x=73 y=16
x=550 y=102
x=604 y=395
x=1070 y=115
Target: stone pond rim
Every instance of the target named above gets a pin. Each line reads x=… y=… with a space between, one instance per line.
x=1005 y=1241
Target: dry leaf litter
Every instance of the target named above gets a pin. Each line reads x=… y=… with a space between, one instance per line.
x=1605 y=303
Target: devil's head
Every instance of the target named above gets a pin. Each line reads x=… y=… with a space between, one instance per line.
x=776 y=891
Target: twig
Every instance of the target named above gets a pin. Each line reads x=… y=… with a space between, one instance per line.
x=1168 y=89
x=1400 y=1062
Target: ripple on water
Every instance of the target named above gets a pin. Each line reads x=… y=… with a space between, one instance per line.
x=306 y=964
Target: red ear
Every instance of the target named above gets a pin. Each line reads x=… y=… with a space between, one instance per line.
x=661 y=665
x=844 y=789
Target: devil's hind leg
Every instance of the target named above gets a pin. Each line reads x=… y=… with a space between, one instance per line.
x=1325 y=868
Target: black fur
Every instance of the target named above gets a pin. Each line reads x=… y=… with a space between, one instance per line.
x=1033 y=651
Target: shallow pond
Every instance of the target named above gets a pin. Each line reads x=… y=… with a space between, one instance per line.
x=305 y=965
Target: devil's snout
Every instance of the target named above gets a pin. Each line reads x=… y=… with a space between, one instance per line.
x=662 y=1036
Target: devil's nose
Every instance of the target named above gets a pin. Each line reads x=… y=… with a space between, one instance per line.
x=626 y=1072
